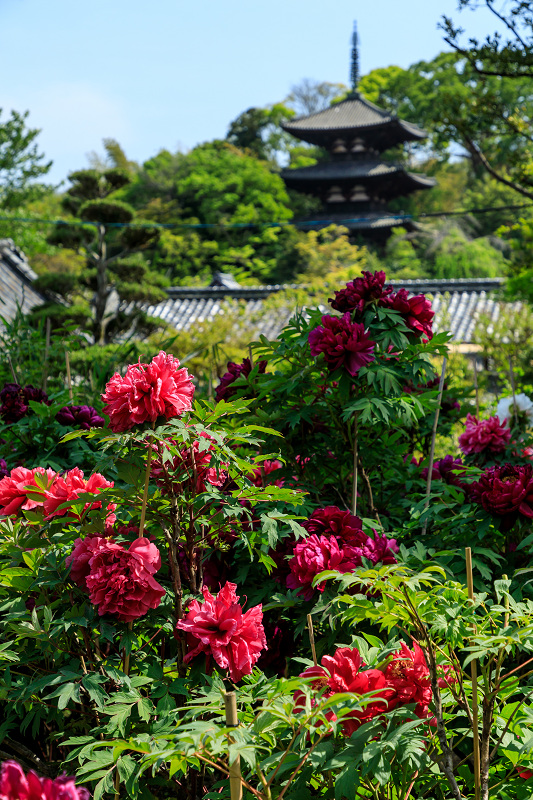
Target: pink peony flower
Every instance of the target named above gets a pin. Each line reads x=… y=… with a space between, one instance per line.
x=487 y=435
x=333 y=521
x=120 y=581
x=261 y=474
x=148 y=391
x=80 y=558
x=343 y=342
x=68 y=487
x=19 y=490
x=225 y=390
x=408 y=674
x=15 y=785
x=416 y=311
x=311 y=557
x=219 y=628
x=357 y=293
x=190 y=470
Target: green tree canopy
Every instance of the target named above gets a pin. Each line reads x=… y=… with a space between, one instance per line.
x=21 y=164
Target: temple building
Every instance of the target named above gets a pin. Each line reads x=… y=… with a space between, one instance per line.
x=355 y=185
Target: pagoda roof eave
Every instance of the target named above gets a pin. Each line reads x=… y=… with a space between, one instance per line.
x=349 y=171
x=348 y=117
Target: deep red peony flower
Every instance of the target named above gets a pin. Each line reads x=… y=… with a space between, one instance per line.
x=120 y=581
x=343 y=342
x=416 y=311
x=80 y=558
x=487 y=435
x=312 y=556
x=219 y=628
x=357 y=293
x=505 y=491
x=190 y=470
x=225 y=390
x=408 y=674
x=344 y=672
x=15 y=399
x=148 y=391
x=334 y=521
x=19 y=489
x=15 y=785
x=68 y=487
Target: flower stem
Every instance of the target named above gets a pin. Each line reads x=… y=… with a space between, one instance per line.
x=146 y=483
x=127 y=655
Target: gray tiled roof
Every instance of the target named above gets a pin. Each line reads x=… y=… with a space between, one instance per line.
x=351 y=114
x=458 y=305
x=16 y=276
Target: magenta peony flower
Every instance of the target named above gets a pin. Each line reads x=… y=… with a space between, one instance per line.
x=487 y=435
x=15 y=785
x=190 y=470
x=311 y=557
x=334 y=521
x=343 y=342
x=68 y=487
x=80 y=558
x=357 y=293
x=416 y=311
x=120 y=581
x=506 y=491
x=219 y=628
x=4 y=470
x=447 y=469
x=225 y=390
x=261 y=474
x=84 y=417
x=148 y=391
x=19 y=489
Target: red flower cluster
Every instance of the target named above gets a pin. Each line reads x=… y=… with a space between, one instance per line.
x=404 y=681
x=219 y=628
x=261 y=474
x=15 y=785
x=506 y=491
x=447 y=469
x=190 y=470
x=367 y=289
x=487 y=435
x=225 y=390
x=416 y=311
x=25 y=489
x=148 y=391
x=119 y=581
x=15 y=400
x=343 y=342
x=337 y=542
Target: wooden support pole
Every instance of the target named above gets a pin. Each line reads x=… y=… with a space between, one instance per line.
x=433 y=439
x=46 y=354
x=69 y=377
x=232 y=721
x=473 y=671
x=312 y=638
x=476 y=388
x=355 y=466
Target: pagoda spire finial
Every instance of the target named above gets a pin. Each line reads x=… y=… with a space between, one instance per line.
x=354 y=69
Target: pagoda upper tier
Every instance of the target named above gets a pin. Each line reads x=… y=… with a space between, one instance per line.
x=353 y=125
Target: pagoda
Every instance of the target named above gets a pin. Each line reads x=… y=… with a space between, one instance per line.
x=355 y=185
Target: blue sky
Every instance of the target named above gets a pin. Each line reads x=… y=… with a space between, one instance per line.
x=171 y=73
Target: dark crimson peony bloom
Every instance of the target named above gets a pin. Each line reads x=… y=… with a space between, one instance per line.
x=343 y=342
x=68 y=487
x=4 y=471
x=344 y=672
x=85 y=417
x=357 y=293
x=225 y=390
x=506 y=491
x=148 y=391
x=120 y=581
x=416 y=311
x=19 y=489
x=15 y=785
x=190 y=470
x=487 y=435
x=334 y=521
x=15 y=399
x=219 y=628
x=447 y=469
x=37 y=395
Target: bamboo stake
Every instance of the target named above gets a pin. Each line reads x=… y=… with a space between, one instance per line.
x=12 y=368
x=512 y=421
x=355 y=466
x=476 y=388
x=312 y=638
x=473 y=670
x=433 y=438
x=127 y=655
x=46 y=354
x=232 y=721
x=69 y=377
x=145 y=492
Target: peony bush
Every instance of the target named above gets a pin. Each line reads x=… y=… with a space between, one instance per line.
x=290 y=541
